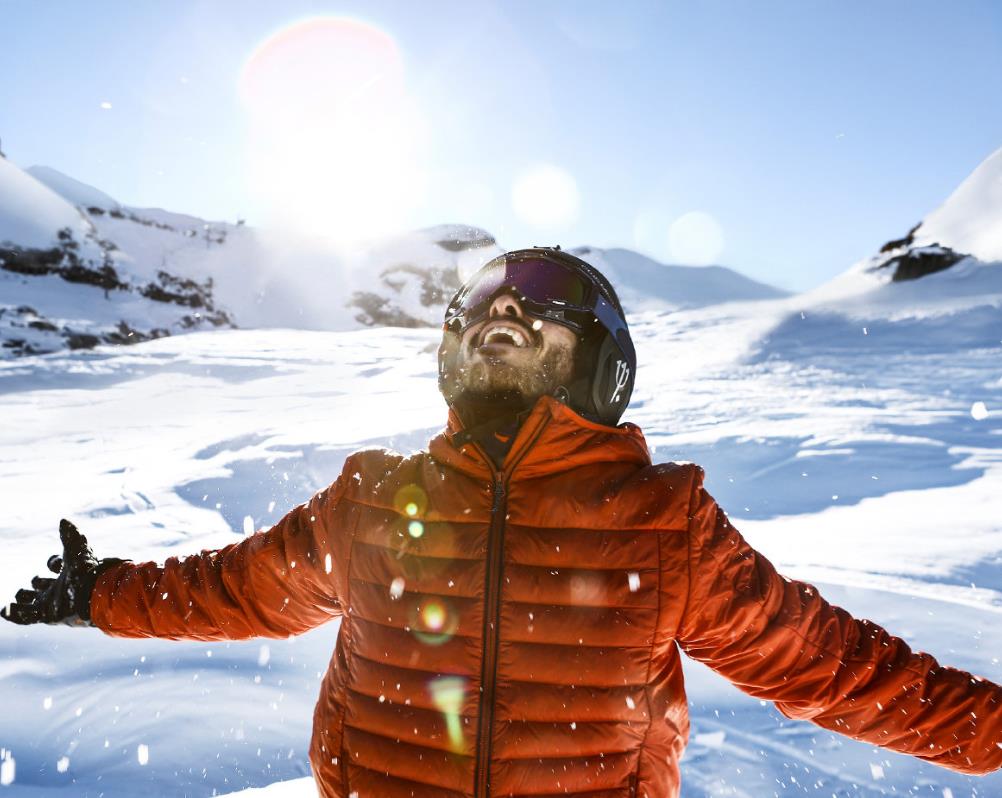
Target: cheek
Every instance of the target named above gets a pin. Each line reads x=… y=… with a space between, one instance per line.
x=556 y=336
x=469 y=337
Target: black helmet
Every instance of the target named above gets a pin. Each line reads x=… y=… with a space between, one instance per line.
x=556 y=286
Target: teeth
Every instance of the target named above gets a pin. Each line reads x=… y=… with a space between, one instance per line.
x=511 y=332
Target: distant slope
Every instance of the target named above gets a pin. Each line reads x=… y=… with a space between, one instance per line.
x=645 y=284
x=72 y=190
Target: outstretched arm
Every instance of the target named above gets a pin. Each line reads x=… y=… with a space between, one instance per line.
x=64 y=598
x=777 y=639
x=272 y=584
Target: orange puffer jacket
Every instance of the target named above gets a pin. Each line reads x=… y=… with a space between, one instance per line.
x=517 y=633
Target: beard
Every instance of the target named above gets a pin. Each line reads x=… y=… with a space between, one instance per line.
x=531 y=381
x=497 y=382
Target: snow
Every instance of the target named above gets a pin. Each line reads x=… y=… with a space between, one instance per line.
x=167 y=447
x=852 y=433
x=295 y=788
x=31 y=214
x=72 y=190
x=969 y=220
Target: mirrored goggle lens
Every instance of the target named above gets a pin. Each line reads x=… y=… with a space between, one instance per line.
x=537 y=280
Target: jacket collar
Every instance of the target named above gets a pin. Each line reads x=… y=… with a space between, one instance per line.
x=553 y=438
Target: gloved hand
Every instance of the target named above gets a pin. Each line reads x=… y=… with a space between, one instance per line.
x=66 y=598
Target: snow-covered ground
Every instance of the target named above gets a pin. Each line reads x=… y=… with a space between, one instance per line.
x=855 y=437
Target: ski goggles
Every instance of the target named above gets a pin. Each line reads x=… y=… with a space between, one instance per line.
x=547 y=289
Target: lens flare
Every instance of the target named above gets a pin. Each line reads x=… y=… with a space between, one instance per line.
x=434 y=622
x=433 y=616
x=411 y=501
x=696 y=239
x=334 y=136
x=650 y=232
x=447 y=694
x=415 y=529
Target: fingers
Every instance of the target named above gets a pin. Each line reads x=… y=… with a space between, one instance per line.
x=74 y=543
x=68 y=533
x=22 y=614
x=40 y=583
x=55 y=563
x=25 y=596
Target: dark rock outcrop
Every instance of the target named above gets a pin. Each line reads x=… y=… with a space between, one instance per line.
x=435 y=286
x=28 y=333
x=916 y=263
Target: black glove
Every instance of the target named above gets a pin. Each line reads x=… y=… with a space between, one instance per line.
x=65 y=599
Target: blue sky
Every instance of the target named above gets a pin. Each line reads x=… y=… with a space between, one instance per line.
x=784 y=139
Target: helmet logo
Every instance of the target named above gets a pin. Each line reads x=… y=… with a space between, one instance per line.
x=622 y=377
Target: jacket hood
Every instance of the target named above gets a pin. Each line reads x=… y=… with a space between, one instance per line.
x=553 y=438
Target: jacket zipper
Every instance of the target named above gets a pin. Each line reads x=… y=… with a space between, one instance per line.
x=492 y=613
x=491 y=634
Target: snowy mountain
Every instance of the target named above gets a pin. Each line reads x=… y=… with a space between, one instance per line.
x=646 y=284
x=66 y=283
x=78 y=269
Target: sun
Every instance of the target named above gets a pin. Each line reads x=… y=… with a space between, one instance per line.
x=335 y=140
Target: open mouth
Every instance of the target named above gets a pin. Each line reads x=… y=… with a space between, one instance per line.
x=505 y=335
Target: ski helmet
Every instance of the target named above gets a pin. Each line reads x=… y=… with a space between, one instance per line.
x=556 y=286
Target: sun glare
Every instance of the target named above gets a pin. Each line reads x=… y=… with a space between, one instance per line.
x=546 y=196
x=335 y=139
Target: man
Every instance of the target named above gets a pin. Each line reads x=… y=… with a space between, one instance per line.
x=513 y=600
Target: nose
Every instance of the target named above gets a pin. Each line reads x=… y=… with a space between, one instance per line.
x=506 y=305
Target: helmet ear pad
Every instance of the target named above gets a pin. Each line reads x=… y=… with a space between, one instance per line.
x=612 y=382
x=603 y=379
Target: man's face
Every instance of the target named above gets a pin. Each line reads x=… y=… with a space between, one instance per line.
x=512 y=352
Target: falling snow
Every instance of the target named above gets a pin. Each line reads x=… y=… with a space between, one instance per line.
x=786 y=409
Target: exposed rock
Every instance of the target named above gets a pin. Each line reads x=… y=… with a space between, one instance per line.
x=378 y=311
x=178 y=290
x=82 y=340
x=434 y=286
x=64 y=261
x=898 y=243
x=126 y=335
x=41 y=335
x=30 y=261
x=919 y=262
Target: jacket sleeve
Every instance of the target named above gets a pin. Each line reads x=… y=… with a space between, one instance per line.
x=272 y=584
x=777 y=639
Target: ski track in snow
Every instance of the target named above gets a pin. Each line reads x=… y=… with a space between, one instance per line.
x=848 y=459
